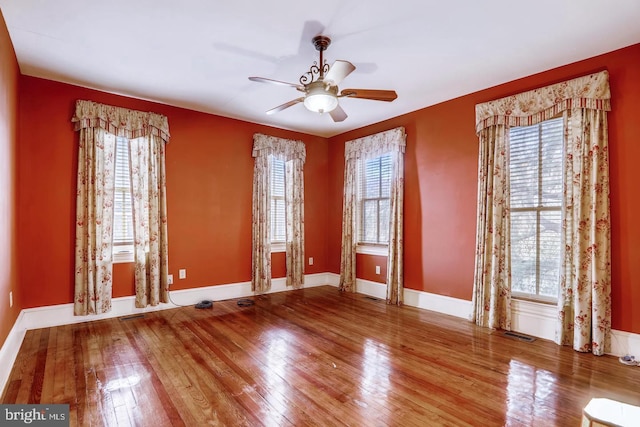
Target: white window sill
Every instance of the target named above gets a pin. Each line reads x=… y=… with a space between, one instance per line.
x=539 y=299
x=381 y=250
x=278 y=247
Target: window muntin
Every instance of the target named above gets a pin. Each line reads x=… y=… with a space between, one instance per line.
x=536 y=190
x=374 y=199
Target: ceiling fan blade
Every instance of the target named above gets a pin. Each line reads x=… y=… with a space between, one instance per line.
x=338 y=114
x=378 y=95
x=276 y=82
x=285 y=105
x=338 y=71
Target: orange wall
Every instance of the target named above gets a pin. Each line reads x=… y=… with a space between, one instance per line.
x=9 y=74
x=440 y=185
x=366 y=267
x=209 y=184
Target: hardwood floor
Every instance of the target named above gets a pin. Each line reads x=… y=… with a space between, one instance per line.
x=308 y=357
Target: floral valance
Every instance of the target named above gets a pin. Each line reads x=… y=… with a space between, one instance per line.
x=534 y=106
x=374 y=145
x=286 y=149
x=120 y=121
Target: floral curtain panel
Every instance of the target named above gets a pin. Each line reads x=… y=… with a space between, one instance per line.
x=393 y=141
x=294 y=154
x=98 y=125
x=584 y=302
x=294 y=216
x=151 y=248
x=492 y=278
x=395 y=268
x=349 y=226
x=94 y=218
x=261 y=225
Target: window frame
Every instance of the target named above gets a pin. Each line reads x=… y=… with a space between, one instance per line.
x=126 y=255
x=538 y=210
x=278 y=245
x=362 y=246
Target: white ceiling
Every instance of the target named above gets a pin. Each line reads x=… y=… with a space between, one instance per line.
x=198 y=54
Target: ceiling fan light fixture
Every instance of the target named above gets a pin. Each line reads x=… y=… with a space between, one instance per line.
x=320 y=100
x=320 y=86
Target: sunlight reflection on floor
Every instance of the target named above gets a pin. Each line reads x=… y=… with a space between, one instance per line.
x=529 y=391
x=375 y=385
x=276 y=372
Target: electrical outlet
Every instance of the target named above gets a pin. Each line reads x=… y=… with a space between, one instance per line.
x=310 y=260
x=377 y=269
x=182 y=273
x=10 y=299
x=170 y=279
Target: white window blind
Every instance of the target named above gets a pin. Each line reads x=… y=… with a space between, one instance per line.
x=122 y=208
x=277 y=200
x=374 y=192
x=536 y=176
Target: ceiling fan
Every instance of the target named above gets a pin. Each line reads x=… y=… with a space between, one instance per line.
x=320 y=86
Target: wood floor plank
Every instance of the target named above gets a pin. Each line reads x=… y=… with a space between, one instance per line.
x=26 y=367
x=78 y=409
x=59 y=359
x=312 y=357
x=48 y=368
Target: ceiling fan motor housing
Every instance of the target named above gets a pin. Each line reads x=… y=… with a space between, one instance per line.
x=321 y=97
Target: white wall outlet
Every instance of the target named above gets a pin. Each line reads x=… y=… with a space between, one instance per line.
x=182 y=273
x=10 y=299
x=310 y=260
x=170 y=279
x=377 y=269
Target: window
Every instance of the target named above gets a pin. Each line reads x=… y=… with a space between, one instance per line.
x=536 y=175
x=122 y=205
x=374 y=198
x=278 y=233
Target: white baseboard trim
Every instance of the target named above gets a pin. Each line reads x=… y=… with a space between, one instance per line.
x=9 y=351
x=420 y=299
x=372 y=289
x=440 y=303
x=625 y=343
x=333 y=279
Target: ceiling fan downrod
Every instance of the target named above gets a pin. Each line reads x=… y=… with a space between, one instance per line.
x=321 y=44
